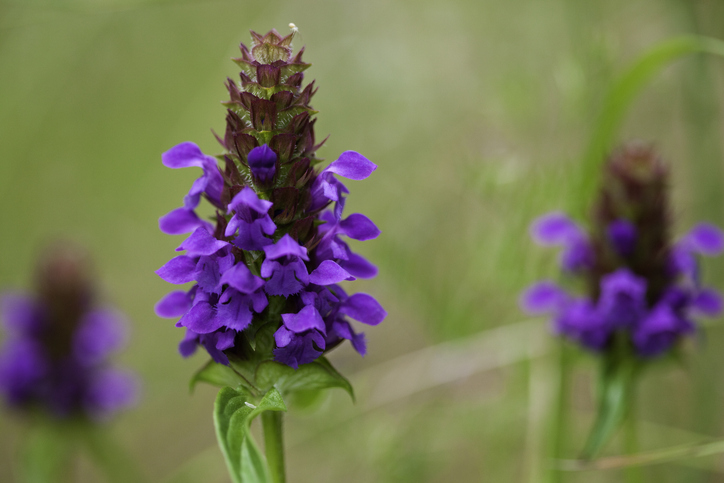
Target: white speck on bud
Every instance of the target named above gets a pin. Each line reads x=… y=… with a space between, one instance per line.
x=250 y=405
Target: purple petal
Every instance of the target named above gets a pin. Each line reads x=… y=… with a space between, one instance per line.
x=344 y=330
x=286 y=279
x=581 y=322
x=20 y=313
x=100 y=333
x=307 y=319
x=359 y=227
x=283 y=336
x=622 y=302
x=301 y=348
x=364 y=308
x=188 y=345
x=708 y=302
x=543 y=298
x=352 y=165
x=358 y=266
x=109 y=391
x=23 y=364
x=286 y=246
x=262 y=163
x=658 y=331
x=173 y=305
x=180 y=221
x=201 y=242
x=554 y=229
x=233 y=310
x=241 y=278
x=201 y=319
x=706 y=239
x=251 y=235
x=329 y=272
x=258 y=301
x=622 y=234
x=248 y=198
x=184 y=155
x=178 y=270
x=225 y=339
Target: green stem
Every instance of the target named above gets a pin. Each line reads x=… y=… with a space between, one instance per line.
x=633 y=474
x=274 y=444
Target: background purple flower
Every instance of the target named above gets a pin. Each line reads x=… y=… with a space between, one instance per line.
x=56 y=353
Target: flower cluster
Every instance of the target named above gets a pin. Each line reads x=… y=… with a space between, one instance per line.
x=639 y=283
x=55 y=356
x=274 y=253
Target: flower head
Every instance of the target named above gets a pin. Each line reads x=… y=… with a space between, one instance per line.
x=273 y=253
x=58 y=343
x=639 y=283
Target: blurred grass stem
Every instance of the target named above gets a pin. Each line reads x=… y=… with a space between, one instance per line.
x=633 y=474
x=559 y=427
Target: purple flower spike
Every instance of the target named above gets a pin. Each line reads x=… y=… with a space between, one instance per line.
x=56 y=353
x=543 y=298
x=622 y=234
x=706 y=239
x=272 y=247
x=262 y=162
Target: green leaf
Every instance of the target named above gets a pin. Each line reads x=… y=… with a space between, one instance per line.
x=233 y=414
x=308 y=377
x=217 y=375
x=623 y=92
x=253 y=465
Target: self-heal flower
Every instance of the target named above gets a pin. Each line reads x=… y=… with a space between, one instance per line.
x=271 y=259
x=59 y=339
x=642 y=287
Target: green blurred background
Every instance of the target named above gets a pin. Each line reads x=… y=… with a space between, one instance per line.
x=476 y=112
